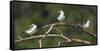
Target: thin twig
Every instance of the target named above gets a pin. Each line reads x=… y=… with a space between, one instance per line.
x=82 y=41
x=60 y=24
x=58 y=30
x=66 y=38
x=40 y=43
x=59 y=43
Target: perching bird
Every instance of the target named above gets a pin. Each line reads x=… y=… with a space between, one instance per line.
x=86 y=25
x=61 y=17
x=31 y=30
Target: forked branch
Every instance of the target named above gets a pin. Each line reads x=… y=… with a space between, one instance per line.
x=72 y=25
x=40 y=36
x=60 y=35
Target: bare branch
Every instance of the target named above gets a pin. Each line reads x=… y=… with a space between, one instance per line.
x=40 y=43
x=40 y=36
x=72 y=25
x=33 y=37
x=51 y=27
x=68 y=40
x=82 y=41
x=85 y=30
x=58 y=30
x=59 y=43
x=53 y=35
x=60 y=35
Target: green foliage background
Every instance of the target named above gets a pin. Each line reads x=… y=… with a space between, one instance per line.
x=41 y=14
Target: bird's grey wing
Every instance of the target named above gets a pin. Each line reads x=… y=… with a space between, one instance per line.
x=28 y=27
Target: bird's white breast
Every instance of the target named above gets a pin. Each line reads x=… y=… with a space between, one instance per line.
x=32 y=30
x=86 y=25
x=61 y=17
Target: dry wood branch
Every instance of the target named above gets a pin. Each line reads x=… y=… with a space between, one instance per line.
x=58 y=30
x=40 y=36
x=60 y=35
x=52 y=35
x=66 y=38
x=59 y=43
x=82 y=41
x=76 y=40
x=72 y=25
x=51 y=27
x=85 y=30
x=40 y=43
x=60 y=24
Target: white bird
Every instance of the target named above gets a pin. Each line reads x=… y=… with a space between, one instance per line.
x=61 y=17
x=31 y=30
x=86 y=25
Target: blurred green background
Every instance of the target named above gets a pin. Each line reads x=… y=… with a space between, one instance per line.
x=27 y=13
